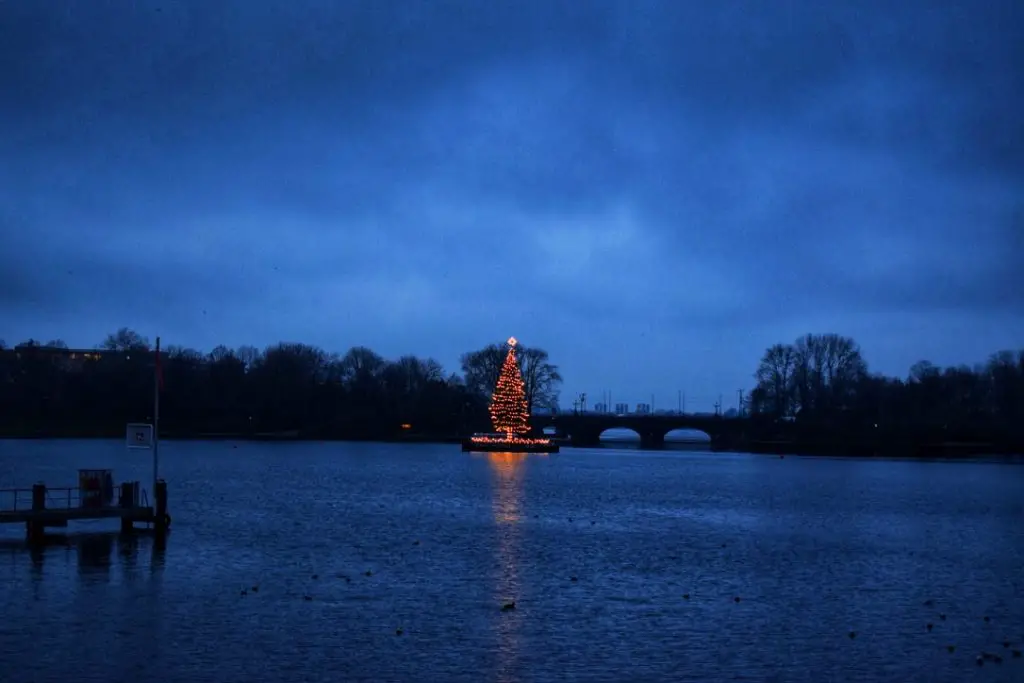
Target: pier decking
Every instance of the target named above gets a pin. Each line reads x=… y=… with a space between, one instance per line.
x=41 y=507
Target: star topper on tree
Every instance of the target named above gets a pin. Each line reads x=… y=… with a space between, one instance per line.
x=508 y=402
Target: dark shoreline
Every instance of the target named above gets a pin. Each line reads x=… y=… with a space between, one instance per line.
x=946 y=450
x=285 y=437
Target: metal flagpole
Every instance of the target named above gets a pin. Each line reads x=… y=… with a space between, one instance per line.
x=156 y=416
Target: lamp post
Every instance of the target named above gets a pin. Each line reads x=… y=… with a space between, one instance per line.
x=156 y=414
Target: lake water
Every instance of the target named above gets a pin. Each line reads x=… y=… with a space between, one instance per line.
x=814 y=548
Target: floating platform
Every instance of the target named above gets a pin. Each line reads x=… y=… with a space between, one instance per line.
x=490 y=443
x=40 y=508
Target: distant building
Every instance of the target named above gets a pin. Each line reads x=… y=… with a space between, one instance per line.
x=621 y=408
x=600 y=407
x=643 y=408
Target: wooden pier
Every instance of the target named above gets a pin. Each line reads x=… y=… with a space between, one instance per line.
x=40 y=508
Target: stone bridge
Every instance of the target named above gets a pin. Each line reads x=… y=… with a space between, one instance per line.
x=584 y=429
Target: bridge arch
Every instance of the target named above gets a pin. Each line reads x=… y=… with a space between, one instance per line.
x=620 y=436
x=686 y=435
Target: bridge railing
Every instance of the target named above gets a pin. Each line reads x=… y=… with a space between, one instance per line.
x=640 y=416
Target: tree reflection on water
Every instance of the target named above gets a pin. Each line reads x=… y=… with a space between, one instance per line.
x=507 y=470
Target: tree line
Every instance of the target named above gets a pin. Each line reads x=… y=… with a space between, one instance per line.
x=287 y=389
x=821 y=380
x=824 y=379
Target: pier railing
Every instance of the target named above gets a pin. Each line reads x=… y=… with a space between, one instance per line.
x=57 y=498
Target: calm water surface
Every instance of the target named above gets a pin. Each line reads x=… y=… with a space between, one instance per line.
x=349 y=543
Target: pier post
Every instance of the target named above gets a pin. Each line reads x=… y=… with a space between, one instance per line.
x=126 y=503
x=162 y=519
x=34 y=527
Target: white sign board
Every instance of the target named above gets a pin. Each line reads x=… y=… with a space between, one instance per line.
x=139 y=436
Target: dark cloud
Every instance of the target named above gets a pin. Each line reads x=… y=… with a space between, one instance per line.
x=620 y=182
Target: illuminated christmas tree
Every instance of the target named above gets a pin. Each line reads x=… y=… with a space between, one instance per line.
x=508 y=403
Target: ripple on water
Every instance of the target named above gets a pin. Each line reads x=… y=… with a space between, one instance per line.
x=814 y=549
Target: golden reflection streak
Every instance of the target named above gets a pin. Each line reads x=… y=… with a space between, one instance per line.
x=507 y=471
x=508 y=493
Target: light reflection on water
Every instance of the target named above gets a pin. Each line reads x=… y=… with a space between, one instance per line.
x=507 y=482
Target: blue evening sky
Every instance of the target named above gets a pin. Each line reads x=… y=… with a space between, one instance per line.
x=654 y=192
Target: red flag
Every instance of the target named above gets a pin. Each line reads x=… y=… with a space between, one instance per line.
x=159 y=371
